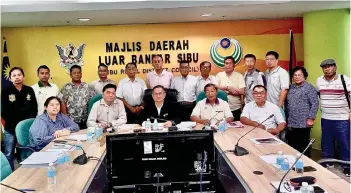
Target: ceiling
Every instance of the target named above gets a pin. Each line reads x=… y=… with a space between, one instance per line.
x=66 y=13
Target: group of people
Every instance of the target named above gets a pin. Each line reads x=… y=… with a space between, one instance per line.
x=251 y=99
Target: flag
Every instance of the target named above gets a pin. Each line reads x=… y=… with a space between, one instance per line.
x=5 y=69
x=292 y=61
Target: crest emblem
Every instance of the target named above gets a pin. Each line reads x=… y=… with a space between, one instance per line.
x=70 y=55
x=28 y=97
x=226 y=43
x=12 y=97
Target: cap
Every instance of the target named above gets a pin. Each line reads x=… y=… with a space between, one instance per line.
x=327 y=62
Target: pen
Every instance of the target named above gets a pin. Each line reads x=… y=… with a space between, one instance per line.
x=28 y=190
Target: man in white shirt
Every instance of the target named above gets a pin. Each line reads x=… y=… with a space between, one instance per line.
x=130 y=90
x=233 y=84
x=277 y=80
x=211 y=110
x=108 y=112
x=103 y=80
x=205 y=77
x=260 y=109
x=186 y=85
x=43 y=89
x=159 y=76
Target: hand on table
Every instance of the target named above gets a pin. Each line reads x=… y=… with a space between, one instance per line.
x=167 y=124
x=273 y=131
x=61 y=133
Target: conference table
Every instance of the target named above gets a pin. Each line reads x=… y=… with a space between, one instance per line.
x=79 y=177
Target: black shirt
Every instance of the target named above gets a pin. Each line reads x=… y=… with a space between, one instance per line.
x=169 y=111
x=17 y=106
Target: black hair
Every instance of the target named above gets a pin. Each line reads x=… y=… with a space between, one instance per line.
x=43 y=67
x=16 y=68
x=304 y=71
x=259 y=86
x=107 y=86
x=159 y=86
x=204 y=62
x=48 y=100
x=210 y=85
x=156 y=55
x=131 y=63
x=73 y=67
x=274 y=53
x=102 y=65
x=229 y=58
x=250 y=56
x=184 y=62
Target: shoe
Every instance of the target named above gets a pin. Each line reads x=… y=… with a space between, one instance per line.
x=346 y=172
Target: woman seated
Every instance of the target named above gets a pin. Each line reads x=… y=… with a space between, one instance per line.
x=160 y=108
x=50 y=125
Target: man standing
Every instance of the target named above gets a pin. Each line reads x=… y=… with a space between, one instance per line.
x=130 y=91
x=205 y=77
x=260 y=109
x=252 y=77
x=277 y=80
x=108 y=112
x=103 y=80
x=43 y=89
x=159 y=76
x=186 y=86
x=76 y=96
x=335 y=109
x=233 y=84
x=18 y=103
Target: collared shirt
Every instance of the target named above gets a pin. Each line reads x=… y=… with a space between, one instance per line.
x=159 y=109
x=186 y=86
x=202 y=82
x=259 y=114
x=131 y=91
x=277 y=80
x=42 y=130
x=333 y=101
x=17 y=106
x=98 y=85
x=44 y=92
x=252 y=79
x=164 y=79
x=76 y=98
x=103 y=113
x=235 y=80
x=302 y=104
x=204 y=110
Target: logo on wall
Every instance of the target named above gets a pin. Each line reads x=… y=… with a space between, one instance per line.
x=226 y=43
x=70 y=55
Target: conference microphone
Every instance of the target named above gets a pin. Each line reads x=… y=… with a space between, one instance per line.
x=240 y=151
x=208 y=124
x=82 y=159
x=297 y=159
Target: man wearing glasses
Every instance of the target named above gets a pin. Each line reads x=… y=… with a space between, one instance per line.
x=277 y=80
x=258 y=110
x=205 y=77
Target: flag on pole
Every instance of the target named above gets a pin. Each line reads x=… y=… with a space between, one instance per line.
x=293 y=61
x=5 y=69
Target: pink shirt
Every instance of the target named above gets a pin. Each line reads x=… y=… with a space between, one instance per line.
x=164 y=79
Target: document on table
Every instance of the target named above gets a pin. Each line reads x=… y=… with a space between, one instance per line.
x=76 y=137
x=61 y=148
x=268 y=140
x=41 y=158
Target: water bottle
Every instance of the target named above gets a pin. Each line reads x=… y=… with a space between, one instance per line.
x=222 y=126
x=51 y=174
x=98 y=133
x=67 y=163
x=155 y=125
x=79 y=145
x=148 y=124
x=304 y=187
x=310 y=189
x=299 y=166
x=284 y=166
x=60 y=162
x=279 y=158
x=90 y=135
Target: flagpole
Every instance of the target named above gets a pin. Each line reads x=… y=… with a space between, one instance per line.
x=291 y=55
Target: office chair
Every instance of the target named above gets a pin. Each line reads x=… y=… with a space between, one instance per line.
x=92 y=101
x=220 y=94
x=22 y=134
x=282 y=135
x=5 y=167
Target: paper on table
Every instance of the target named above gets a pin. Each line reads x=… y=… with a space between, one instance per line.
x=268 y=140
x=272 y=159
x=41 y=158
x=61 y=148
x=76 y=137
x=275 y=184
x=186 y=125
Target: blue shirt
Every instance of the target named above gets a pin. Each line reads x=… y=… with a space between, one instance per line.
x=302 y=104
x=42 y=130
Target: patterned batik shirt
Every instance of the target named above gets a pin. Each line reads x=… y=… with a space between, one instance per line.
x=76 y=98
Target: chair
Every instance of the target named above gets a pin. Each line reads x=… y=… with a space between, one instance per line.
x=5 y=167
x=93 y=100
x=333 y=162
x=282 y=135
x=22 y=134
x=220 y=94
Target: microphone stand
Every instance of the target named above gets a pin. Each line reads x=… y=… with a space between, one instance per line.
x=208 y=125
x=297 y=159
x=240 y=151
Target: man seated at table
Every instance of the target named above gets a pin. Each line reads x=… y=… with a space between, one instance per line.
x=161 y=108
x=211 y=107
x=108 y=112
x=50 y=125
x=260 y=109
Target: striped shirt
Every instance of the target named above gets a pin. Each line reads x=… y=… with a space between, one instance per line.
x=333 y=101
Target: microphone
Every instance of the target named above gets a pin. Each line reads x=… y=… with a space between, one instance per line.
x=82 y=159
x=281 y=181
x=208 y=125
x=173 y=123
x=240 y=151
